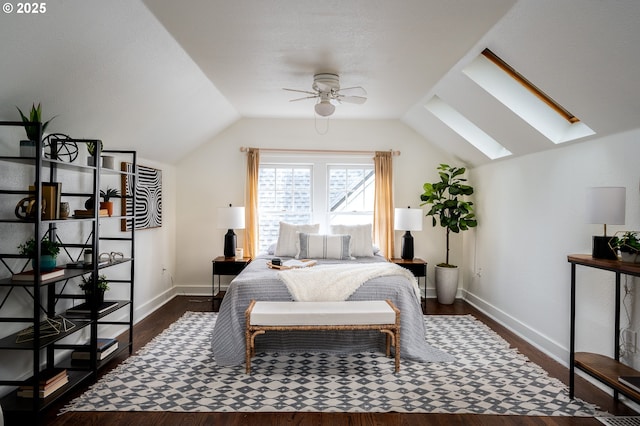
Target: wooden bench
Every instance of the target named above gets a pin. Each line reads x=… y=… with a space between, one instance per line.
x=263 y=316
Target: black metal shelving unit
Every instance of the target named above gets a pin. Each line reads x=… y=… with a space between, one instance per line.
x=46 y=350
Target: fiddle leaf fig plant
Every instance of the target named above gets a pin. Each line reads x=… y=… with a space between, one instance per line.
x=447 y=203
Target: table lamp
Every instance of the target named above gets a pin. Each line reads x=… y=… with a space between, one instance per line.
x=407 y=220
x=230 y=218
x=605 y=204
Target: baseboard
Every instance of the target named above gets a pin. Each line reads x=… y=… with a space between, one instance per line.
x=147 y=308
x=541 y=342
x=196 y=289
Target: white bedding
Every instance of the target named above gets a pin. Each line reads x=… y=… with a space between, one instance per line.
x=332 y=283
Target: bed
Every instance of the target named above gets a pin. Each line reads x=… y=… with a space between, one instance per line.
x=260 y=282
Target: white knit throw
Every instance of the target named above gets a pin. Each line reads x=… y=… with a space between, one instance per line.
x=337 y=282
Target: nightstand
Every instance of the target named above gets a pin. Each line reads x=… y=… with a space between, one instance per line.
x=418 y=268
x=225 y=266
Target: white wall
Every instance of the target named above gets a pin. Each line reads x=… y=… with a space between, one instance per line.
x=531 y=216
x=214 y=175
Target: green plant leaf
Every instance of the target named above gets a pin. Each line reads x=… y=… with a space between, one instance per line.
x=453 y=213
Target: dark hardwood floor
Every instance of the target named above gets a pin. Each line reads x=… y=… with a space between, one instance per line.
x=146 y=329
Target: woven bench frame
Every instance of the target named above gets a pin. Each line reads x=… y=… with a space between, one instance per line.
x=392 y=332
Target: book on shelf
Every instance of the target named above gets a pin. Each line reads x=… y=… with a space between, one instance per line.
x=89 y=213
x=85 y=308
x=30 y=275
x=632 y=382
x=51 y=192
x=49 y=376
x=105 y=348
x=53 y=380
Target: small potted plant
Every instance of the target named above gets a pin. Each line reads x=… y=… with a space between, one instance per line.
x=49 y=250
x=455 y=214
x=628 y=243
x=91 y=147
x=106 y=196
x=28 y=147
x=94 y=293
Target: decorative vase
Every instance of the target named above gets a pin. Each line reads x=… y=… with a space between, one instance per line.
x=108 y=162
x=47 y=263
x=64 y=210
x=446 y=284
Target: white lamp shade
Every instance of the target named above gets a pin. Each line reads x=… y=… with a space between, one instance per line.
x=325 y=108
x=606 y=205
x=408 y=219
x=231 y=218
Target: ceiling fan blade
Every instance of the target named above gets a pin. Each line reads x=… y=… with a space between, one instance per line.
x=300 y=99
x=301 y=91
x=353 y=91
x=352 y=99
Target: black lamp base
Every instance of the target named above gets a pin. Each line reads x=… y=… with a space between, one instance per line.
x=229 y=244
x=407 y=246
x=601 y=249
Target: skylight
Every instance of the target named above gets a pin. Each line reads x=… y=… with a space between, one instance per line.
x=465 y=128
x=525 y=99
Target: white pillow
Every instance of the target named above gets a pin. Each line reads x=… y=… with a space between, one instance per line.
x=361 y=239
x=321 y=246
x=288 y=238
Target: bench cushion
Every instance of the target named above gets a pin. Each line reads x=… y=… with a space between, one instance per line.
x=322 y=313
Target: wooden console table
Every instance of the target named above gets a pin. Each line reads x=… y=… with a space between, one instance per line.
x=602 y=368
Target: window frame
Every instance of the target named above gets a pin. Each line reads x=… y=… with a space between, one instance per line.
x=320 y=165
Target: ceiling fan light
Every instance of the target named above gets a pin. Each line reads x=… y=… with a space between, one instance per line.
x=325 y=108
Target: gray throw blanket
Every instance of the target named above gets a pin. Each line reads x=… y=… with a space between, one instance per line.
x=259 y=282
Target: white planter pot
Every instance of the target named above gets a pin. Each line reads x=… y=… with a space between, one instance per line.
x=630 y=257
x=108 y=162
x=446 y=284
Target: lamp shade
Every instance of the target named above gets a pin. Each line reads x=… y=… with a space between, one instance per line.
x=606 y=205
x=408 y=219
x=231 y=217
x=325 y=108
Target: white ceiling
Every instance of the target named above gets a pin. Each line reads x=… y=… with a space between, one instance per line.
x=165 y=76
x=396 y=50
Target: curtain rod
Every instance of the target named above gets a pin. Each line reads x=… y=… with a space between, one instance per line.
x=315 y=151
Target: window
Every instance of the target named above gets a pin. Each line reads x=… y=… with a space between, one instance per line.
x=322 y=190
x=525 y=99
x=465 y=128
x=284 y=194
x=351 y=192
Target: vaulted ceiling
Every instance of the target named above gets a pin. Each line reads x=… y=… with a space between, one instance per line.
x=164 y=76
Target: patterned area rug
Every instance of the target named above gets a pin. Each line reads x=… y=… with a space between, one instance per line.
x=176 y=372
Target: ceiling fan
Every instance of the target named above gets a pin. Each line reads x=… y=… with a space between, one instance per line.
x=326 y=87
